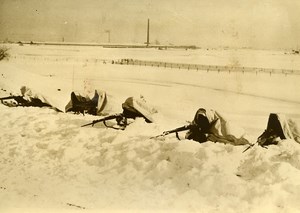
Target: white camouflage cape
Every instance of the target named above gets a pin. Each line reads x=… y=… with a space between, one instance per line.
x=224 y=131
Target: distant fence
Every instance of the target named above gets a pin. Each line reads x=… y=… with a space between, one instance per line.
x=200 y=67
x=58 y=58
x=215 y=68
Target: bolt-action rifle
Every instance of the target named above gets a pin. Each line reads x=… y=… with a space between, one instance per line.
x=120 y=118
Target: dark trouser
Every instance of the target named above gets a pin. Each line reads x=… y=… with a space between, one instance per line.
x=196 y=136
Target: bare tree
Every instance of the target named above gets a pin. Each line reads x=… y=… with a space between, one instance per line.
x=3 y=53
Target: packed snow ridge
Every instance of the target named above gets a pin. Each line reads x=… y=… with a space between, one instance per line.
x=49 y=163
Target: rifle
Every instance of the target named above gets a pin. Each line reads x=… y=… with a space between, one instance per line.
x=11 y=97
x=17 y=98
x=179 y=129
x=119 y=117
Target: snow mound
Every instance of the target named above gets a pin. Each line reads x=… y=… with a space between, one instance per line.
x=51 y=162
x=48 y=163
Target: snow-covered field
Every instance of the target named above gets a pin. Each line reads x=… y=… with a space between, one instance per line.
x=48 y=163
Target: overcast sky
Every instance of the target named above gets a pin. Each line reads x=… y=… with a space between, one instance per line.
x=239 y=23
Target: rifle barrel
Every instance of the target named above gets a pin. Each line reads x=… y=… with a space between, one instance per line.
x=157 y=136
x=179 y=129
x=251 y=145
x=109 y=117
x=8 y=97
x=87 y=124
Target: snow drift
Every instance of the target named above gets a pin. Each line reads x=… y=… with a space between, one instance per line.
x=48 y=163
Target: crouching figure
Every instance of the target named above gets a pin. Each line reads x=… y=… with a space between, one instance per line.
x=279 y=127
x=85 y=104
x=132 y=108
x=27 y=98
x=209 y=125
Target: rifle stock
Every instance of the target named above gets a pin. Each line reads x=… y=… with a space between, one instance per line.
x=109 y=117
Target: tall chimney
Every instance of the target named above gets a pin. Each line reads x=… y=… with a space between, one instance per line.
x=148 y=26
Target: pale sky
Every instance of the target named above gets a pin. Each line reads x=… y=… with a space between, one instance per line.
x=208 y=23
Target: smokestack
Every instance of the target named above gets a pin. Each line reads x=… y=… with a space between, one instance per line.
x=148 y=26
